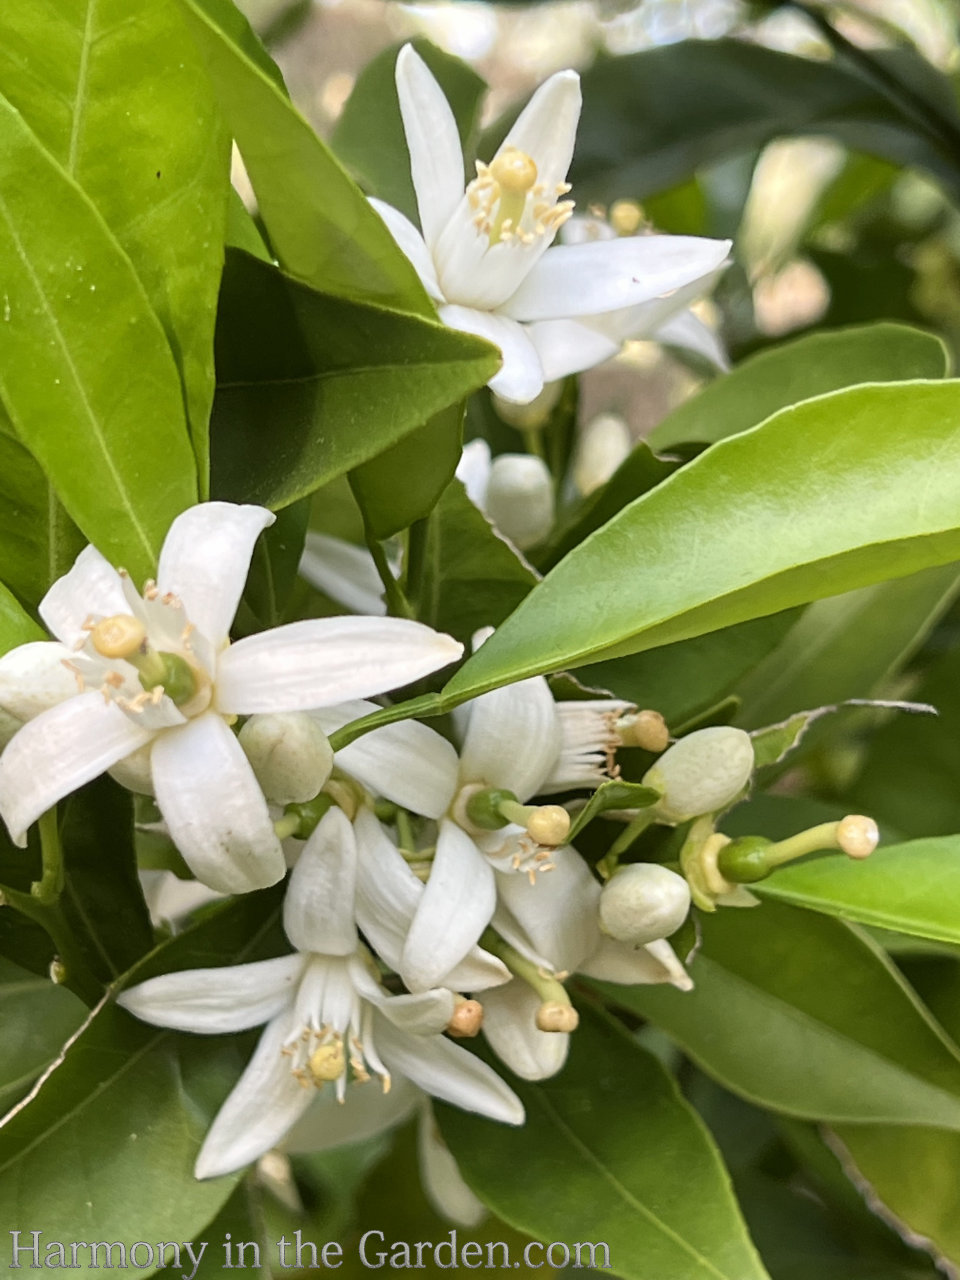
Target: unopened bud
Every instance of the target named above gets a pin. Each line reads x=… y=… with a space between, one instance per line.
x=643 y=902
x=702 y=773
x=467 y=1019
x=857 y=835
x=549 y=824
x=327 y=1063
x=555 y=1016
x=604 y=444
x=119 y=636
x=646 y=729
x=289 y=754
x=519 y=498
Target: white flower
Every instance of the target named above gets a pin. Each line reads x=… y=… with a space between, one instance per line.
x=327 y=1016
x=484 y=254
x=157 y=686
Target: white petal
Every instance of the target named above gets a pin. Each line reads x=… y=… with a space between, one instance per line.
x=207 y=1001
x=423 y=1014
x=546 y=129
x=570 y=346
x=513 y=738
x=366 y=1112
x=57 y=752
x=213 y=807
x=477 y=971
x=509 y=1023
x=92 y=586
x=133 y=771
x=588 y=279
x=33 y=678
x=558 y=911
x=520 y=378
x=344 y=572
x=411 y=242
x=444 y=1070
x=689 y=332
x=408 y=762
x=441 y=1178
x=436 y=160
x=473 y=470
x=266 y=1102
x=318 y=909
x=453 y=911
x=205 y=559
x=619 y=962
x=322 y=661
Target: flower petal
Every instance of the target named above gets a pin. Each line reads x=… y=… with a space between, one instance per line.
x=33 y=678
x=208 y=1001
x=569 y=346
x=513 y=738
x=411 y=242
x=205 y=560
x=92 y=586
x=453 y=911
x=546 y=128
x=689 y=332
x=444 y=1070
x=509 y=1023
x=627 y=965
x=344 y=572
x=213 y=807
x=323 y=661
x=433 y=141
x=266 y=1101
x=441 y=1178
x=520 y=379
x=477 y=971
x=588 y=279
x=366 y=1112
x=558 y=912
x=473 y=470
x=318 y=911
x=423 y=1014
x=408 y=762
x=57 y=752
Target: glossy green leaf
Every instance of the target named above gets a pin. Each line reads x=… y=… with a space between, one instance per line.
x=754 y=525
x=797 y=370
x=86 y=372
x=802 y=1014
x=368 y=137
x=311 y=385
x=16 y=627
x=911 y=888
x=625 y=1159
x=681 y=106
x=321 y=228
x=38 y=1017
x=116 y=91
x=614 y=795
x=273 y=569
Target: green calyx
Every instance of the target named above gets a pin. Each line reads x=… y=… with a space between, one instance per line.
x=745 y=861
x=483 y=808
x=176 y=676
x=307 y=814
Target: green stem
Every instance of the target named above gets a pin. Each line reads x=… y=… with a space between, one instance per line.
x=546 y=987
x=48 y=888
x=533 y=439
x=608 y=864
x=416 y=558
x=405 y=830
x=397 y=603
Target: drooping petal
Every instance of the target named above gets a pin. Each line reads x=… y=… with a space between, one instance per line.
x=546 y=128
x=436 y=159
x=687 y=331
x=344 y=572
x=57 y=752
x=440 y=1175
x=444 y=1070
x=266 y=1101
x=411 y=242
x=318 y=910
x=589 y=279
x=513 y=738
x=473 y=470
x=205 y=559
x=213 y=807
x=509 y=1023
x=408 y=762
x=209 y=1001
x=33 y=678
x=520 y=378
x=622 y=963
x=366 y=1112
x=91 y=587
x=558 y=911
x=453 y=910
x=323 y=661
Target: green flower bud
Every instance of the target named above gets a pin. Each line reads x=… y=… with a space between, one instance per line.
x=643 y=902
x=289 y=753
x=702 y=773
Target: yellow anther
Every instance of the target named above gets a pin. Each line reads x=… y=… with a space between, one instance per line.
x=646 y=729
x=513 y=170
x=327 y=1062
x=555 y=1016
x=549 y=824
x=857 y=835
x=119 y=636
x=467 y=1019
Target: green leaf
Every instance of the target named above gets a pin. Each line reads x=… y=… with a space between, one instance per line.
x=911 y=888
x=471 y=577
x=802 y=1014
x=321 y=228
x=312 y=385
x=273 y=568
x=125 y=107
x=86 y=373
x=145 y=1096
x=38 y=1016
x=614 y=795
x=676 y=108
x=756 y=524
x=16 y=627
x=798 y=370
x=610 y=1152
x=368 y=137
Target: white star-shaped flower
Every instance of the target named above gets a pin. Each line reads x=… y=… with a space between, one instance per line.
x=148 y=687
